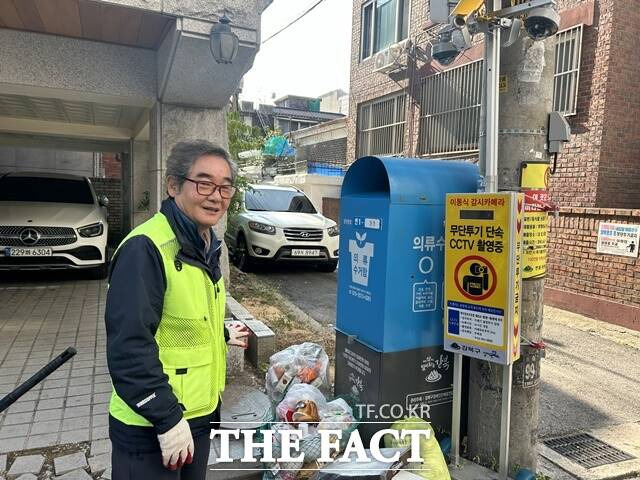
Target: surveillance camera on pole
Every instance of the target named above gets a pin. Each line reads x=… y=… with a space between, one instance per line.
x=541 y=21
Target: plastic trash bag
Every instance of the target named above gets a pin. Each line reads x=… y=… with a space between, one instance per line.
x=372 y=470
x=298 y=394
x=433 y=466
x=303 y=363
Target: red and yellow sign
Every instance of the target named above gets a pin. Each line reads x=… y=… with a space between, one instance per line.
x=535 y=184
x=483 y=242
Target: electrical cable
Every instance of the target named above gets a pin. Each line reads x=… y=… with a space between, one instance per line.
x=293 y=21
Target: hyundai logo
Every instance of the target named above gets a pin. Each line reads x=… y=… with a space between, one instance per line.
x=304 y=234
x=29 y=236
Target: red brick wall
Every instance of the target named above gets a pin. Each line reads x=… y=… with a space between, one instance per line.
x=575 y=268
x=619 y=172
x=112 y=188
x=112 y=165
x=576 y=180
x=599 y=167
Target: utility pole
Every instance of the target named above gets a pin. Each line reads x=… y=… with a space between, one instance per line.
x=525 y=101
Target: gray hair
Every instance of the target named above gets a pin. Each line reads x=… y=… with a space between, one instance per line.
x=184 y=154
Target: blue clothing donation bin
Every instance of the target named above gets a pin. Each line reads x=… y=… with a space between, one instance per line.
x=389 y=328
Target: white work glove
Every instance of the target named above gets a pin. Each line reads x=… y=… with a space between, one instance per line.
x=177 y=445
x=238 y=333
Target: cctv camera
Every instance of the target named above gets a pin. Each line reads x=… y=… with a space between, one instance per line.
x=444 y=52
x=542 y=23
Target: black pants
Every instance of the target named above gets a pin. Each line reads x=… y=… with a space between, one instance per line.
x=138 y=466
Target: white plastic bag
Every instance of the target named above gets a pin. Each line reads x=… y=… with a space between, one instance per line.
x=298 y=393
x=303 y=363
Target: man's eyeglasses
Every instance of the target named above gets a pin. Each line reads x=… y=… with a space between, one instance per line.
x=206 y=188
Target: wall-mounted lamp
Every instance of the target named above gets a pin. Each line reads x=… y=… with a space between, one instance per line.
x=223 y=42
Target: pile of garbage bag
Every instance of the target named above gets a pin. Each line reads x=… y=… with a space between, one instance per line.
x=293 y=383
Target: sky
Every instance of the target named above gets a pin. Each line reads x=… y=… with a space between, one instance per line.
x=309 y=58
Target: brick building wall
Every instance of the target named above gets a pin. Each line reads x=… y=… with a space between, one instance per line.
x=619 y=172
x=575 y=182
x=598 y=173
x=365 y=84
x=332 y=151
x=112 y=189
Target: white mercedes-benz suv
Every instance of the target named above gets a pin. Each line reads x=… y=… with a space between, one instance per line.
x=280 y=224
x=51 y=222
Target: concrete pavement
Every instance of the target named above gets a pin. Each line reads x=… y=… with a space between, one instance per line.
x=37 y=322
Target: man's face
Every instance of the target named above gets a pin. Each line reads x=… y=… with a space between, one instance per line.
x=204 y=210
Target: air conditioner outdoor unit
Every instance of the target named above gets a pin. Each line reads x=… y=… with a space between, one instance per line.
x=390 y=58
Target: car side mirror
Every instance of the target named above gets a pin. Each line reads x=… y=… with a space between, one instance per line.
x=103 y=201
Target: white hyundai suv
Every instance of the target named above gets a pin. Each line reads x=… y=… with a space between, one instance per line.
x=280 y=224
x=52 y=222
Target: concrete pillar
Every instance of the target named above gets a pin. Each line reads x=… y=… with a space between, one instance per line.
x=171 y=124
x=141 y=183
x=527 y=70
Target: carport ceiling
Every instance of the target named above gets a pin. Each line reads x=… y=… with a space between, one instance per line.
x=31 y=115
x=55 y=110
x=86 y=19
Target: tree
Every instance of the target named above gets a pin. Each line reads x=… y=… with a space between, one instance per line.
x=242 y=137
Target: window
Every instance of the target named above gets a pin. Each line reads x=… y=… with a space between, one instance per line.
x=381 y=125
x=567 y=74
x=384 y=22
x=274 y=200
x=450 y=110
x=42 y=189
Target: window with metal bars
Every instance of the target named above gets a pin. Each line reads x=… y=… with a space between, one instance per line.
x=381 y=125
x=450 y=110
x=450 y=101
x=567 y=73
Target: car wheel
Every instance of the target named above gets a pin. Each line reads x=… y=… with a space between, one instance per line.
x=328 y=267
x=241 y=257
x=101 y=272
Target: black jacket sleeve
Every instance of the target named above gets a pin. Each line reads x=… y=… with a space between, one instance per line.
x=134 y=305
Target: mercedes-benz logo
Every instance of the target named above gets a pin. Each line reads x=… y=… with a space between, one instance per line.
x=304 y=234
x=29 y=236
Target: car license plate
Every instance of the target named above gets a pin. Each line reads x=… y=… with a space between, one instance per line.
x=304 y=252
x=28 y=252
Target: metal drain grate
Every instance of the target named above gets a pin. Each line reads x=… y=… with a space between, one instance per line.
x=587 y=451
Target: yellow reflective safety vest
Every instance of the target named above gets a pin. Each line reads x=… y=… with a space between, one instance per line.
x=190 y=335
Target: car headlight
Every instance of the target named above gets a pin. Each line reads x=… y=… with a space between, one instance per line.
x=93 y=230
x=262 y=228
x=333 y=231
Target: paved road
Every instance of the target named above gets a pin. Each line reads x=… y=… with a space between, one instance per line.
x=589 y=377
x=312 y=291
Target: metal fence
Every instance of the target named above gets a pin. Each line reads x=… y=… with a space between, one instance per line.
x=567 y=73
x=381 y=126
x=450 y=110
